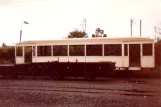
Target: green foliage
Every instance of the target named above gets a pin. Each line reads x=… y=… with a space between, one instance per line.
x=93 y=35
x=4 y=44
x=105 y=35
x=7 y=54
x=99 y=33
x=158 y=53
x=77 y=34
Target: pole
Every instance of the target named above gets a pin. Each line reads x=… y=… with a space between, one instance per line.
x=131 y=21
x=140 y=27
x=21 y=30
x=155 y=29
x=20 y=34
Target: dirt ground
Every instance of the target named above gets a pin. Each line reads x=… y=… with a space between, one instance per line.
x=79 y=93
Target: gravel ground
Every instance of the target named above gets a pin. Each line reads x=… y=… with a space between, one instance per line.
x=78 y=93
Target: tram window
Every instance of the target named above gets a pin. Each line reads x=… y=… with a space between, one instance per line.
x=125 y=50
x=60 y=50
x=19 y=51
x=44 y=50
x=112 y=50
x=76 y=50
x=33 y=51
x=94 y=50
x=147 y=49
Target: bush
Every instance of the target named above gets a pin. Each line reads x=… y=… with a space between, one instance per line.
x=7 y=54
x=158 y=53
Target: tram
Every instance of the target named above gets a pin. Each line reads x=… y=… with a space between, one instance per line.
x=129 y=53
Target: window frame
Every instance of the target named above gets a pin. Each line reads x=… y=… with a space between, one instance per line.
x=106 y=46
x=60 y=46
x=41 y=49
x=77 y=52
x=126 y=52
x=17 y=51
x=94 y=54
x=147 y=48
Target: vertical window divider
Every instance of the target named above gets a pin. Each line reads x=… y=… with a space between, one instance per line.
x=122 y=48
x=68 y=52
x=51 y=50
x=85 y=52
x=103 y=50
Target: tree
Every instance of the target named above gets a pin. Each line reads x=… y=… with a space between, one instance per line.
x=7 y=54
x=157 y=31
x=77 y=34
x=158 y=53
x=105 y=35
x=99 y=33
x=93 y=35
x=4 y=44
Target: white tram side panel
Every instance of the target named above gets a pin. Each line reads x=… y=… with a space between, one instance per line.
x=147 y=62
x=148 y=58
x=146 y=53
x=19 y=55
x=122 y=59
x=92 y=56
x=19 y=60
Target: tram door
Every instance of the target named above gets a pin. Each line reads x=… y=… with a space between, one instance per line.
x=28 y=54
x=134 y=55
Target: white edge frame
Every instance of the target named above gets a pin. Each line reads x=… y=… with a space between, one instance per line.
x=122 y=43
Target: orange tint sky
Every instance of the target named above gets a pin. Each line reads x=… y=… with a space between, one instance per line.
x=52 y=19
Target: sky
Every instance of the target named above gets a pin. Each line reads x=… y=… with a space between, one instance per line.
x=54 y=19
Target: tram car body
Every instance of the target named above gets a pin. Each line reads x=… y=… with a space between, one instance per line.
x=133 y=53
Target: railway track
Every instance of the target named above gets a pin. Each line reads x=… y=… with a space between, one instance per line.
x=43 y=88
x=55 y=88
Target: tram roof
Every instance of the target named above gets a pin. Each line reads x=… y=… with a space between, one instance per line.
x=77 y=40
